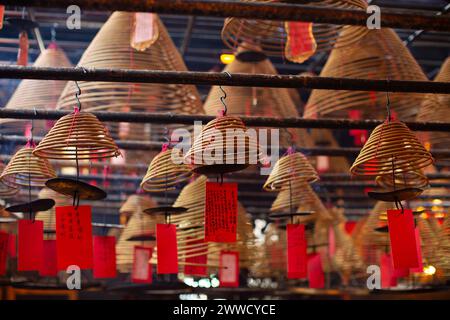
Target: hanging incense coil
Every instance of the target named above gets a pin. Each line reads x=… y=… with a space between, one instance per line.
x=273 y=36
x=391 y=147
x=293 y=196
x=79 y=135
x=291 y=167
x=435 y=108
x=255 y=101
x=26 y=169
x=139 y=225
x=111 y=49
x=227 y=135
x=6 y=191
x=379 y=55
x=408 y=179
x=37 y=94
x=164 y=174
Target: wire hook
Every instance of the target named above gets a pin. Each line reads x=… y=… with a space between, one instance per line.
x=77 y=95
x=224 y=96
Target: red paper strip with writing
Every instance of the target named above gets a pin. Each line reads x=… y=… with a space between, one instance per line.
x=301 y=44
x=316 y=277
x=142 y=269
x=74 y=237
x=388 y=278
x=403 y=239
x=419 y=251
x=4 y=239
x=196 y=264
x=49 y=265
x=296 y=251
x=145 y=31
x=167 y=248
x=229 y=269
x=104 y=257
x=12 y=248
x=221 y=212
x=31 y=245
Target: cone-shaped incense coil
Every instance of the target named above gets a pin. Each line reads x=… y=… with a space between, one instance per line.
x=48 y=217
x=291 y=167
x=223 y=145
x=79 y=135
x=407 y=179
x=37 y=94
x=435 y=108
x=391 y=147
x=272 y=36
x=165 y=172
x=429 y=243
x=291 y=197
x=6 y=191
x=346 y=257
x=138 y=225
x=111 y=49
x=254 y=101
x=26 y=169
x=379 y=55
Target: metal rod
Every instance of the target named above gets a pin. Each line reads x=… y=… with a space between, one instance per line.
x=187 y=36
x=36 y=31
x=156 y=146
x=253 y=10
x=220 y=78
x=164 y=118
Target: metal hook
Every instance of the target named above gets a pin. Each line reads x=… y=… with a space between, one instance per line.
x=77 y=95
x=53 y=32
x=222 y=98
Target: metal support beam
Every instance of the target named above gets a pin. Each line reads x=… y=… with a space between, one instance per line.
x=252 y=10
x=221 y=78
x=186 y=119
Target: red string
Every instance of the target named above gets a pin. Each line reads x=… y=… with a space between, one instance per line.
x=76 y=111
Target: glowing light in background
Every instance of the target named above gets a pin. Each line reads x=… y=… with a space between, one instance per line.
x=429 y=270
x=227 y=58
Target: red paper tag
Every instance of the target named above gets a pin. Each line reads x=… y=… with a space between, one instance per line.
x=221 y=212
x=167 y=248
x=316 y=276
x=22 y=55
x=296 y=251
x=31 y=245
x=145 y=31
x=323 y=164
x=12 y=248
x=104 y=257
x=403 y=239
x=198 y=267
x=349 y=227
x=142 y=269
x=74 y=237
x=388 y=278
x=419 y=252
x=301 y=44
x=229 y=269
x=331 y=242
x=49 y=265
x=2 y=15
x=4 y=239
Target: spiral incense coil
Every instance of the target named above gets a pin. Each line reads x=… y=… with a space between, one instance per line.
x=26 y=169
x=111 y=49
x=273 y=36
x=408 y=179
x=37 y=94
x=163 y=174
x=79 y=135
x=227 y=134
x=255 y=101
x=435 y=108
x=391 y=147
x=291 y=167
x=139 y=224
x=379 y=55
x=292 y=197
x=5 y=190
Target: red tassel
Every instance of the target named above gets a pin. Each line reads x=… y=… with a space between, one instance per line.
x=167 y=248
x=403 y=239
x=22 y=55
x=229 y=269
x=49 y=265
x=316 y=277
x=221 y=212
x=31 y=245
x=104 y=257
x=296 y=251
x=74 y=237
x=4 y=239
x=142 y=269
